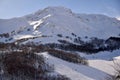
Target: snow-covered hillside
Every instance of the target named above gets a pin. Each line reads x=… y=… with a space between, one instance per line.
x=60 y=36
x=52 y=21
x=98 y=69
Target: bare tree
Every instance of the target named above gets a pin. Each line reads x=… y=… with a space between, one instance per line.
x=116 y=67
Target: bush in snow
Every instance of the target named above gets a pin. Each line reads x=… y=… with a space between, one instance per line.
x=55 y=77
x=75 y=58
x=117 y=72
x=59 y=35
x=26 y=64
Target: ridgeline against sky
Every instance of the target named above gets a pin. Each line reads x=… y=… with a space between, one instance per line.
x=17 y=8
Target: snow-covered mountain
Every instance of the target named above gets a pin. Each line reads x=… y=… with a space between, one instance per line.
x=65 y=41
x=56 y=23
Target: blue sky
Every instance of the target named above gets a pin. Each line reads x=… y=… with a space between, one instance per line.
x=17 y=8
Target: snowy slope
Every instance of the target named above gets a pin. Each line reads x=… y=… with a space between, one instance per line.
x=8 y=25
x=59 y=20
x=97 y=69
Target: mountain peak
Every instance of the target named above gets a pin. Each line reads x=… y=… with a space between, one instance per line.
x=54 y=10
x=57 y=8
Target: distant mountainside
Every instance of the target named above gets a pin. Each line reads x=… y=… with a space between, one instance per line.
x=59 y=23
x=59 y=26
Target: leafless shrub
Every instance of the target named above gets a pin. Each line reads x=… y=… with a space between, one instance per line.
x=116 y=76
x=26 y=64
x=75 y=58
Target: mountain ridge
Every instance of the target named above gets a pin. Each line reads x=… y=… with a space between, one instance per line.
x=52 y=21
